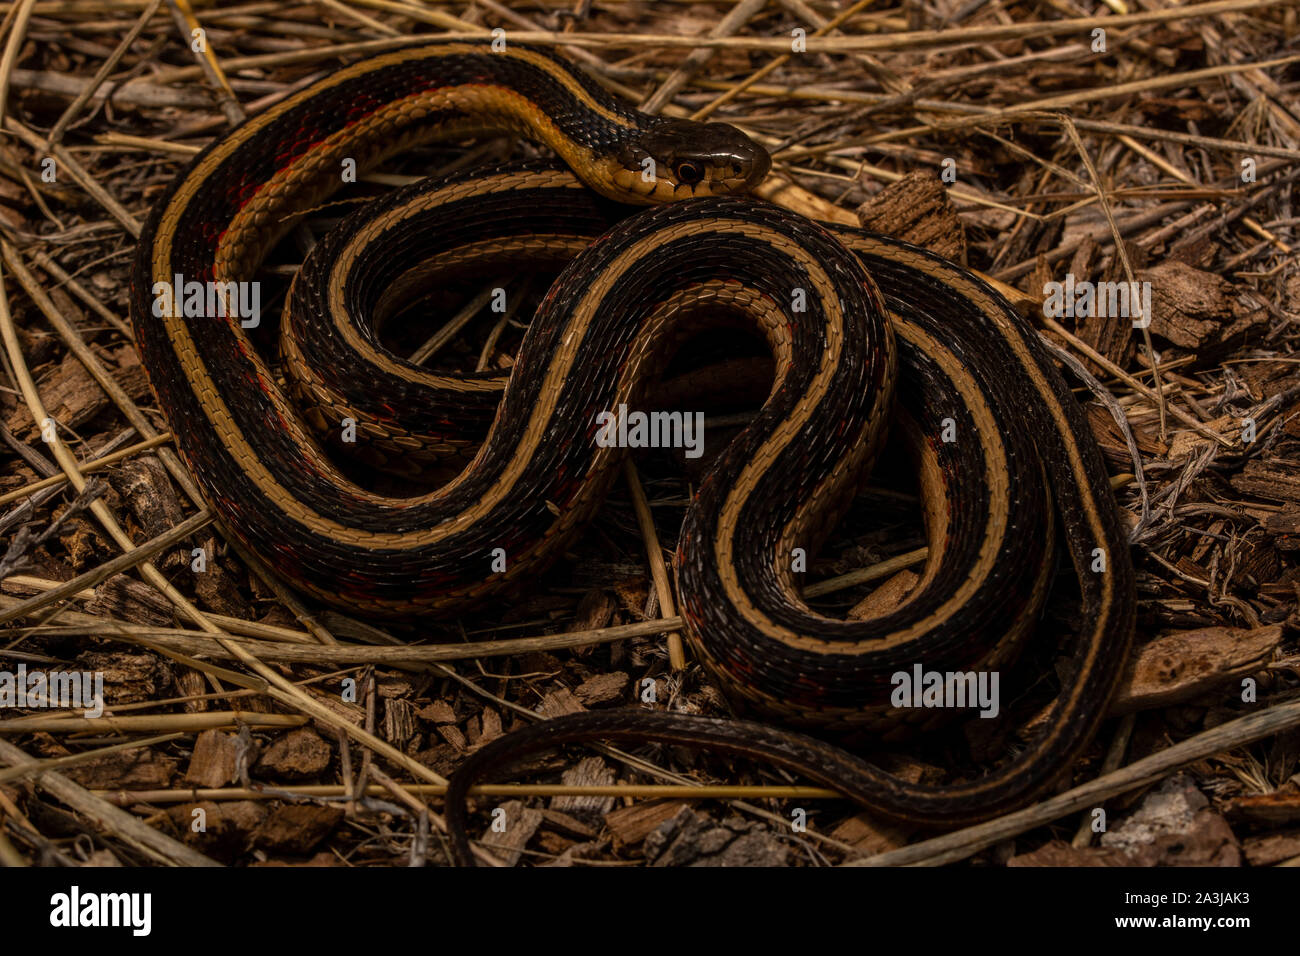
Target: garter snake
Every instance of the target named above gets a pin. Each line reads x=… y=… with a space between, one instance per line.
x=1020 y=462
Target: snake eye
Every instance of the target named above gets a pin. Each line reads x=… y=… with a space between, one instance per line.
x=688 y=172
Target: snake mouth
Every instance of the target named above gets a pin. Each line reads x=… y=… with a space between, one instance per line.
x=631 y=186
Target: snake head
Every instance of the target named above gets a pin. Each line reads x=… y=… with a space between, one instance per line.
x=679 y=159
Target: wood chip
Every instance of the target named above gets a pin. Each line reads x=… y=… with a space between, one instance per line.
x=1196 y=310
x=296 y=828
x=126 y=599
x=602 y=689
x=223 y=829
x=70 y=396
x=557 y=703
x=352 y=713
x=214 y=762
x=587 y=772
x=1276 y=478
x=917 y=209
x=438 y=712
x=519 y=823
x=1059 y=853
x=1178 y=667
x=1271 y=849
x=454 y=736
x=886 y=598
x=298 y=755
x=400 y=724
x=568 y=825
x=631 y=825
x=1282 y=806
x=870 y=834
x=144 y=769
x=1174 y=826
x=128 y=678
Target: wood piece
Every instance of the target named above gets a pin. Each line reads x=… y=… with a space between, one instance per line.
x=1271 y=849
x=1282 y=806
x=602 y=689
x=1060 y=853
x=400 y=724
x=885 y=598
x=296 y=828
x=223 y=829
x=560 y=702
x=437 y=712
x=917 y=209
x=870 y=834
x=632 y=824
x=298 y=755
x=123 y=598
x=1273 y=477
x=511 y=830
x=588 y=772
x=140 y=769
x=1178 y=667
x=1174 y=826
x=215 y=760
x=70 y=396
x=1198 y=310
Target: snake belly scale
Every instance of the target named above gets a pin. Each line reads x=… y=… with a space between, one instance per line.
x=873 y=311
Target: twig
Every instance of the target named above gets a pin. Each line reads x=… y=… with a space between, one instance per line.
x=655 y=555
